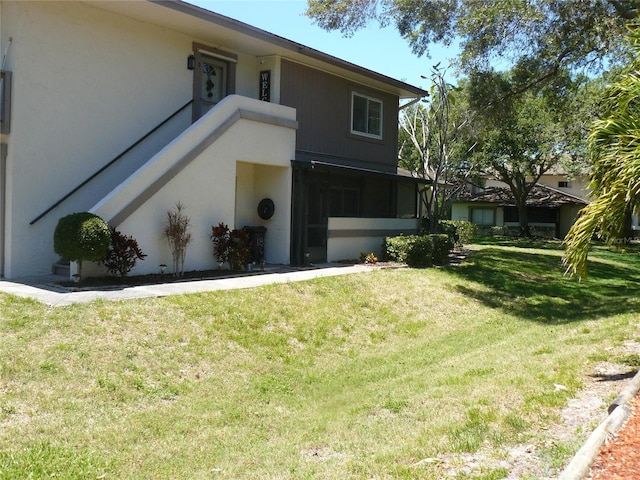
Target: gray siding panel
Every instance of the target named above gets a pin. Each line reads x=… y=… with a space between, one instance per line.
x=323 y=104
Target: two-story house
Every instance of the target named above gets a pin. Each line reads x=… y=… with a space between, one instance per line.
x=124 y=108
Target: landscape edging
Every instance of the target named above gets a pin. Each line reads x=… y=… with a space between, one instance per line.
x=619 y=412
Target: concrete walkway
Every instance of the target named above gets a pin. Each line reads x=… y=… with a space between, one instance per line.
x=46 y=289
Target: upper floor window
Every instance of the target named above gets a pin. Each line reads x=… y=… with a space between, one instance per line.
x=366 y=116
x=564 y=184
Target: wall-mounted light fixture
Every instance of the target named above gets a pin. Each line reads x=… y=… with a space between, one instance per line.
x=191 y=62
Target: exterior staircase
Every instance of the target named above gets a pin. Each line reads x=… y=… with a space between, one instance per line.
x=62 y=268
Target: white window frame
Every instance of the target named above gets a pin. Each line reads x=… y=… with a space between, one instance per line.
x=369 y=99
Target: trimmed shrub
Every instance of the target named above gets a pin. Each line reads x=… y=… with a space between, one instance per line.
x=81 y=236
x=461 y=231
x=450 y=228
x=395 y=248
x=123 y=254
x=418 y=251
x=442 y=245
x=467 y=231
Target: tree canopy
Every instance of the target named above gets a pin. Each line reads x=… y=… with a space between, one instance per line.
x=537 y=36
x=614 y=144
x=522 y=137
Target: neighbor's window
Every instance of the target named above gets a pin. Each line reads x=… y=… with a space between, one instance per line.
x=564 y=185
x=483 y=216
x=366 y=116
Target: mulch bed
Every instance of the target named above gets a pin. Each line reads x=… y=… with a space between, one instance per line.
x=619 y=458
x=154 y=278
x=455 y=258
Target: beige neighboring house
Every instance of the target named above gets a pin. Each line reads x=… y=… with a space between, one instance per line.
x=553 y=205
x=124 y=108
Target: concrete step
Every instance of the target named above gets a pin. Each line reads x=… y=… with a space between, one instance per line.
x=61 y=268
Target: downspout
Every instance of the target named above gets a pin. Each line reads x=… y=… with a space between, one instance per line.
x=3 y=202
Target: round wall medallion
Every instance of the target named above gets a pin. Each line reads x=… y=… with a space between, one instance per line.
x=266 y=207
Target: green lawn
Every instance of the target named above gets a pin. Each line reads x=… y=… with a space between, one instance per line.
x=364 y=376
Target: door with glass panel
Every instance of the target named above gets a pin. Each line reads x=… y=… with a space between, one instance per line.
x=211 y=79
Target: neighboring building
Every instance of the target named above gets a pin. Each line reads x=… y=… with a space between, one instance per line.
x=124 y=108
x=552 y=205
x=575 y=185
x=551 y=212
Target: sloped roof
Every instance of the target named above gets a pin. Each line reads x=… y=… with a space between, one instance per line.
x=217 y=29
x=540 y=196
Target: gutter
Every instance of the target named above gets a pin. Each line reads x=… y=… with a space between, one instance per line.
x=412 y=102
x=3 y=203
x=257 y=33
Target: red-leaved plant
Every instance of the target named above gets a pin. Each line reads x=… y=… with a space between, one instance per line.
x=122 y=255
x=230 y=246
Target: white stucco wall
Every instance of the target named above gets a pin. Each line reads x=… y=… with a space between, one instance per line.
x=87 y=84
x=350 y=247
x=577 y=186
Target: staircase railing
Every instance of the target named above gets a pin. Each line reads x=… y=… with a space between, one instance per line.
x=105 y=167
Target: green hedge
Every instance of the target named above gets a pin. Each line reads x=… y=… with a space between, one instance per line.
x=418 y=250
x=461 y=231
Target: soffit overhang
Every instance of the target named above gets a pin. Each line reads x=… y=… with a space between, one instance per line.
x=226 y=33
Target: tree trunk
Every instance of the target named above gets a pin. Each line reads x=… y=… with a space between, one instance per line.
x=523 y=218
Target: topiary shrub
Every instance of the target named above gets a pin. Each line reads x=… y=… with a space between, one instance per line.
x=81 y=236
x=122 y=255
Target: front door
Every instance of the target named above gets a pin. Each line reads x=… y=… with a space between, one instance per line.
x=211 y=83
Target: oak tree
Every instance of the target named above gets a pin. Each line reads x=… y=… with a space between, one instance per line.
x=543 y=36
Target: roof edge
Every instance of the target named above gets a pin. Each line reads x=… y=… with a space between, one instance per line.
x=258 y=33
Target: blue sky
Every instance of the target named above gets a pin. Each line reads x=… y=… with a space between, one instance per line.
x=380 y=50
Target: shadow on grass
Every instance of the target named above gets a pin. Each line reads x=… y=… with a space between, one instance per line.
x=603 y=377
x=531 y=284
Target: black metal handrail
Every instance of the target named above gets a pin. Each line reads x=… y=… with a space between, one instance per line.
x=102 y=169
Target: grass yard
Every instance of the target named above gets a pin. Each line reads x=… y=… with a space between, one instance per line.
x=386 y=374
